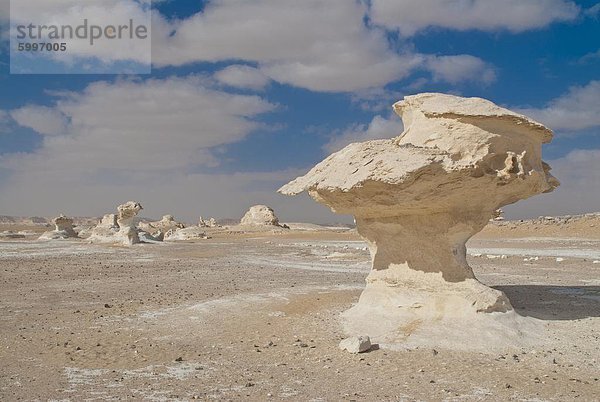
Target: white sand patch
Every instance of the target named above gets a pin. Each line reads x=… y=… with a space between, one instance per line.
x=355 y=244
x=83 y=376
x=540 y=252
x=325 y=266
x=34 y=249
x=238 y=304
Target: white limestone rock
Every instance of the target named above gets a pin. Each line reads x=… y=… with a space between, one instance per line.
x=417 y=199
x=146 y=237
x=166 y=223
x=356 y=344
x=105 y=230
x=63 y=229
x=260 y=215
x=120 y=228
x=127 y=212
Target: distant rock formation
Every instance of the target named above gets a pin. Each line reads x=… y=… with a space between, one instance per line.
x=166 y=223
x=118 y=228
x=11 y=235
x=260 y=215
x=211 y=223
x=126 y=221
x=189 y=233
x=417 y=199
x=105 y=230
x=498 y=215
x=63 y=229
x=169 y=222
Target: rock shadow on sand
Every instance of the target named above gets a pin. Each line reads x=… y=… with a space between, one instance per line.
x=554 y=302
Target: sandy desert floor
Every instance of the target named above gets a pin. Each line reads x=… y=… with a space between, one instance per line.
x=255 y=317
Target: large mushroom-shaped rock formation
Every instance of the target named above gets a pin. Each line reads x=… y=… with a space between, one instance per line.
x=63 y=229
x=119 y=228
x=126 y=221
x=260 y=215
x=417 y=199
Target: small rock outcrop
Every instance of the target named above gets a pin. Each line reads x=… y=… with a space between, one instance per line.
x=167 y=223
x=189 y=233
x=10 y=235
x=119 y=228
x=260 y=215
x=159 y=228
x=417 y=199
x=105 y=229
x=63 y=229
x=497 y=216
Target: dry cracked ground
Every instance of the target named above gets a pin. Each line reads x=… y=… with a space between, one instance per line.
x=255 y=317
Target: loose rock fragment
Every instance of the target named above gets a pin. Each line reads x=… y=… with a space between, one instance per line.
x=356 y=344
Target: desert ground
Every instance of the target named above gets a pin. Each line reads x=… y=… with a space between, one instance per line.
x=255 y=316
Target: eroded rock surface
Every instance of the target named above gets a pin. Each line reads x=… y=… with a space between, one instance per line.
x=417 y=199
x=63 y=229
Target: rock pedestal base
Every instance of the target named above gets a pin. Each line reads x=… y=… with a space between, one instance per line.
x=404 y=308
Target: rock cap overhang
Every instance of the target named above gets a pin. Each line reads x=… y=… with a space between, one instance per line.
x=433 y=104
x=470 y=136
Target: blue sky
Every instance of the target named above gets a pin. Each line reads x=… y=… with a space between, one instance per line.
x=246 y=95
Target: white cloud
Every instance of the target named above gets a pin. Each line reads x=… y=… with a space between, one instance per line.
x=593 y=11
x=42 y=119
x=411 y=16
x=460 y=68
x=242 y=76
x=589 y=57
x=578 y=109
x=322 y=45
x=148 y=125
x=579 y=192
x=380 y=127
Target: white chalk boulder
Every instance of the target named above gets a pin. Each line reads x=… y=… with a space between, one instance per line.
x=260 y=215
x=356 y=344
